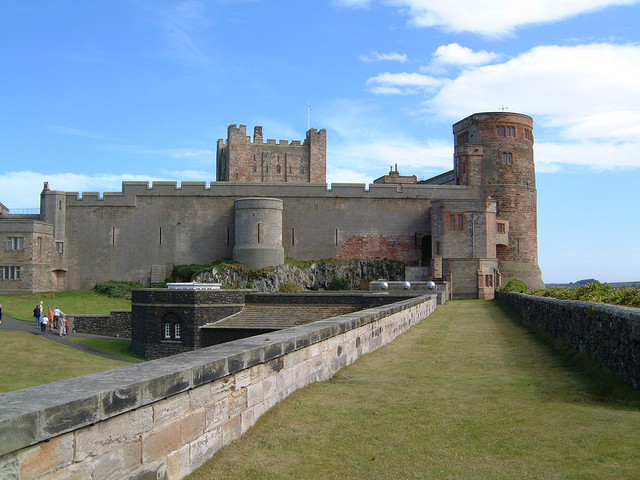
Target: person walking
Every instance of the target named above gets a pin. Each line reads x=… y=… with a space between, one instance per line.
x=57 y=313
x=50 y=318
x=62 y=325
x=43 y=325
x=0 y=314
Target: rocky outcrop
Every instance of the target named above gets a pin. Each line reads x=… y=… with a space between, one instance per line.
x=317 y=276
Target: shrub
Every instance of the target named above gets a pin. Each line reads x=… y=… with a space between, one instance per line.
x=515 y=285
x=290 y=286
x=116 y=289
x=339 y=283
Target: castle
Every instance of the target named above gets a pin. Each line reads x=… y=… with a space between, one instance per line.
x=474 y=226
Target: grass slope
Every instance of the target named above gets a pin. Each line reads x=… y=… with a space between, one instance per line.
x=467 y=394
x=21 y=307
x=28 y=360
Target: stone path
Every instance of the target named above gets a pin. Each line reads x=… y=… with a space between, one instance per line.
x=9 y=323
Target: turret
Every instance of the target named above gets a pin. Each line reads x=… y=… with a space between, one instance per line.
x=494 y=151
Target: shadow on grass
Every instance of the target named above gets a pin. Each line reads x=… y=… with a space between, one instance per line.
x=590 y=381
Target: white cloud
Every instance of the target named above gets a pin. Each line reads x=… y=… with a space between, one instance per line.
x=495 y=17
x=583 y=92
x=402 y=83
x=459 y=56
x=380 y=57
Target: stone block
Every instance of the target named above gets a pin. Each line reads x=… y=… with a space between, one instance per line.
x=169 y=409
x=193 y=425
x=9 y=467
x=93 y=440
x=110 y=465
x=255 y=394
x=46 y=457
x=217 y=414
x=160 y=441
x=231 y=429
x=179 y=463
x=205 y=447
x=23 y=428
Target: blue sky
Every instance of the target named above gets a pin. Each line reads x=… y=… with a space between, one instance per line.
x=94 y=93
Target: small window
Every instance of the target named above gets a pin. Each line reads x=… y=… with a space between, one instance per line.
x=15 y=243
x=278 y=169
x=507 y=158
x=59 y=247
x=488 y=280
x=301 y=169
x=502 y=227
x=177 y=331
x=255 y=168
x=456 y=221
x=511 y=131
x=500 y=131
x=167 y=330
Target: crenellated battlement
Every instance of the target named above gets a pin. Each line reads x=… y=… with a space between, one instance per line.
x=186 y=190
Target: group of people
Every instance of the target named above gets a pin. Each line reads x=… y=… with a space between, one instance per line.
x=55 y=318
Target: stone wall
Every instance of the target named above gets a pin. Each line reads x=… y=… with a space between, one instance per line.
x=609 y=334
x=165 y=418
x=118 y=324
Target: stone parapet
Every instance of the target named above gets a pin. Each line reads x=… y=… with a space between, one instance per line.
x=165 y=418
x=609 y=334
x=118 y=324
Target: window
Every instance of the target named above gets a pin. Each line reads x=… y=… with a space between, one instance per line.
x=488 y=280
x=502 y=227
x=255 y=168
x=59 y=247
x=463 y=138
x=9 y=273
x=506 y=131
x=507 y=158
x=278 y=169
x=456 y=221
x=527 y=134
x=301 y=169
x=15 y=243
x=171 y=327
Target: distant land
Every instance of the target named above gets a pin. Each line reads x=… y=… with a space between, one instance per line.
x=581 y=283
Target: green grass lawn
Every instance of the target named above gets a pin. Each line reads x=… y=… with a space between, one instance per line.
x=466 y=394
x=114 y=347
x=21 y=307
x=28 y=360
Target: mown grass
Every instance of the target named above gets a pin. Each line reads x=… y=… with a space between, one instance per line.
x=114 y=347
x=21 y=307
x=467 y=394
x=28 y=360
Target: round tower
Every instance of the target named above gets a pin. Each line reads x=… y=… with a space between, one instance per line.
x=258 y=223
x=494 y=151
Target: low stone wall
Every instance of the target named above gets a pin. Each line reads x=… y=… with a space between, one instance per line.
x=608 y=333
x=165 y=418
x=118 y=324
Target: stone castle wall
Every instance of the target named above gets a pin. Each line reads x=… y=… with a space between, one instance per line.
x=165 y=418
x=124 y=234
x=609 y=334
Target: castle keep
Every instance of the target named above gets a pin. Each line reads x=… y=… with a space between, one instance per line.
x=475 y=226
